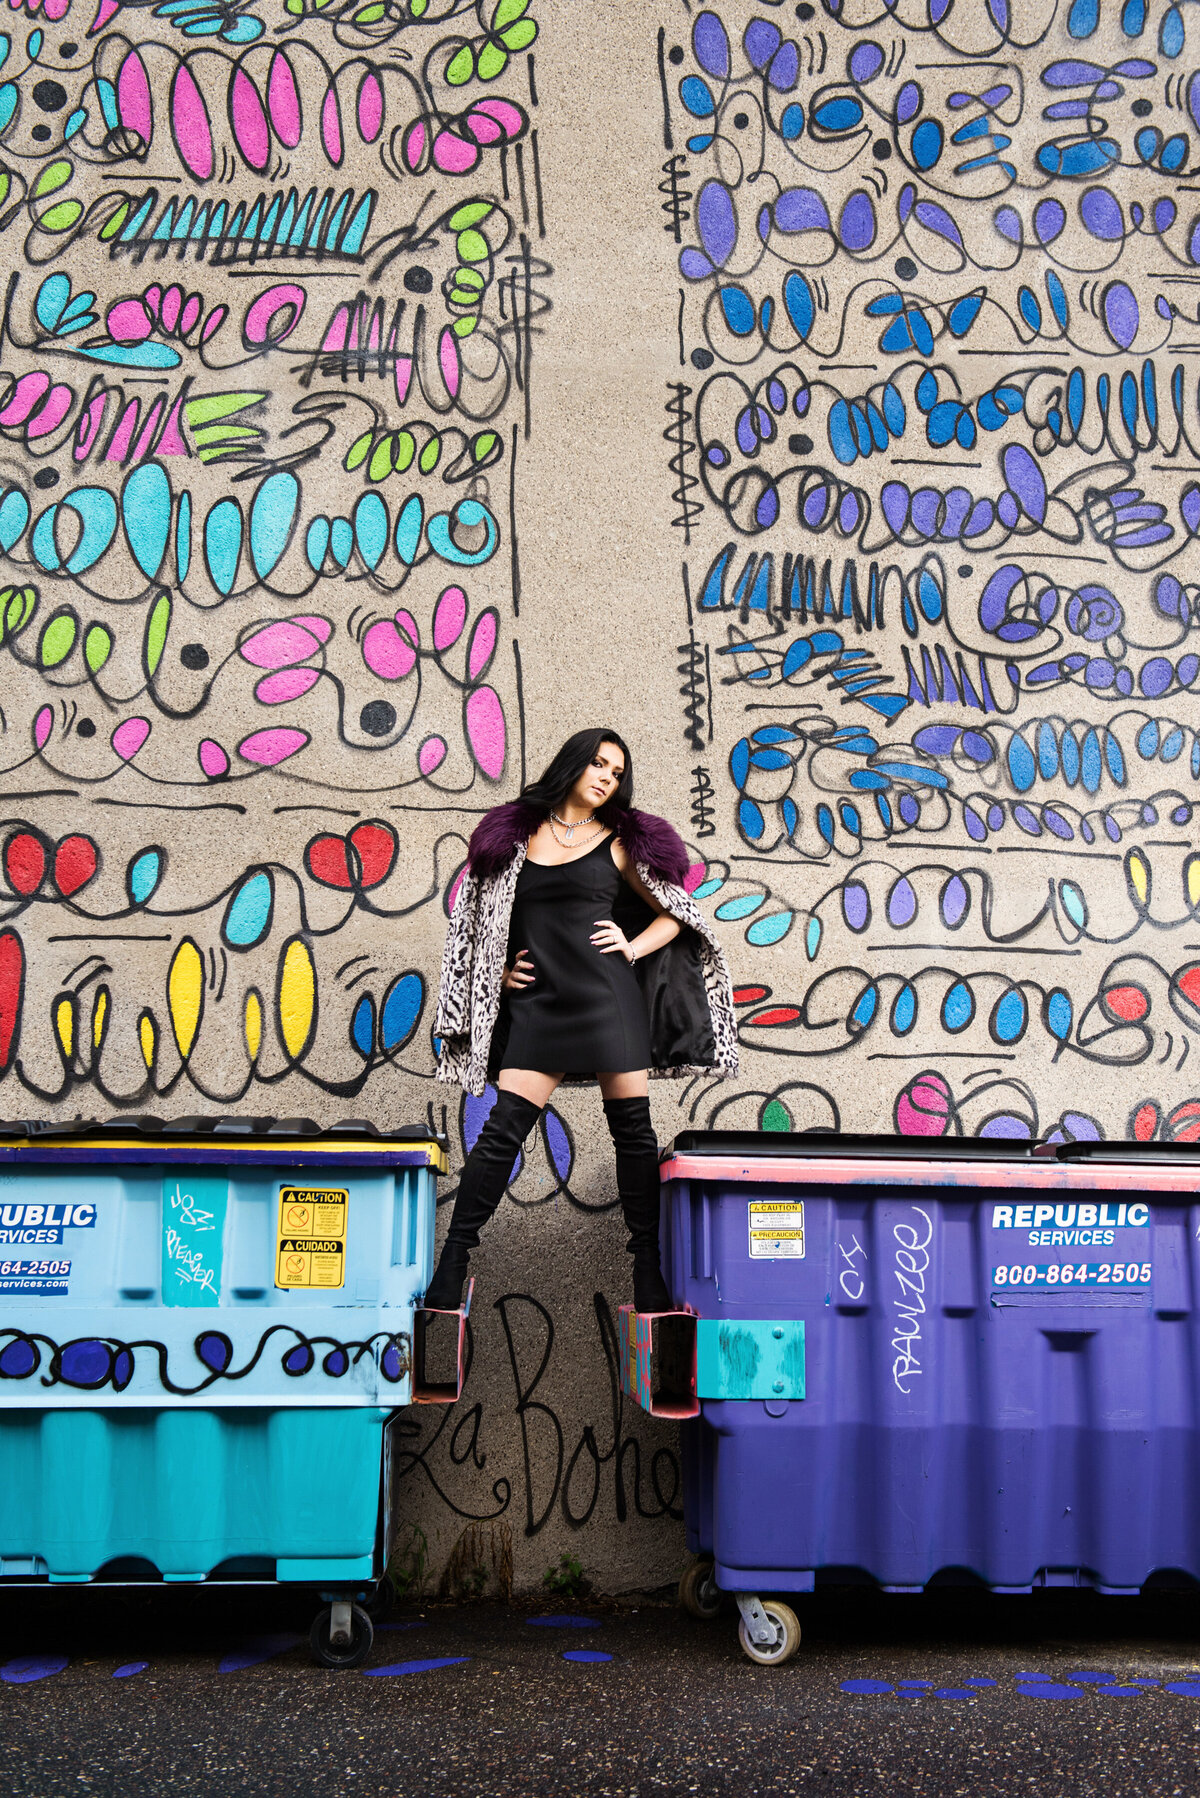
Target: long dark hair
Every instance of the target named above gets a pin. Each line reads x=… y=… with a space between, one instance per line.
x=550 y=790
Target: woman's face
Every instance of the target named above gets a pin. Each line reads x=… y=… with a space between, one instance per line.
x=600 y=779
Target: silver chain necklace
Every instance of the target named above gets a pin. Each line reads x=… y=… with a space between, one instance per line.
x=569 y=828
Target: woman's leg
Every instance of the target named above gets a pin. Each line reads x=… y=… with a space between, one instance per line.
x=485 y=1175
x=627 y=1110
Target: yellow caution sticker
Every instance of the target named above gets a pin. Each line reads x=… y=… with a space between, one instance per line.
x=311 y=1245
x=776 y=1229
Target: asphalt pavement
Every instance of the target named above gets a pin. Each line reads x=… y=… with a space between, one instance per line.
x=959 y=1693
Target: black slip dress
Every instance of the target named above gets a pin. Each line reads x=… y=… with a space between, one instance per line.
x=584 y=1013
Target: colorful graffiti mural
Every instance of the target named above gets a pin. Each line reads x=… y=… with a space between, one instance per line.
x=266 y=366
x=934 y=472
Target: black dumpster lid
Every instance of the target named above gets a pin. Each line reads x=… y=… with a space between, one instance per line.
x=146 y=1124
x=225 y=1141
x=820 y=1142
x=1125 y=1151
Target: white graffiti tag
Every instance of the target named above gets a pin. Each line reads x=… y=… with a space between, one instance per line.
x=912 y=1264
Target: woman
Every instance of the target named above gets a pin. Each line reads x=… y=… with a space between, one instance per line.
x=575 y=953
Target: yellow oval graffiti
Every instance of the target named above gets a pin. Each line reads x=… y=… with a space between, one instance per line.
x=1191 y=879
x=147 y=1036
x=64 y=1023
x=99 y=1016
x=185 y=994
x=252 y=1018
x=297 y=997
x=1139 y=874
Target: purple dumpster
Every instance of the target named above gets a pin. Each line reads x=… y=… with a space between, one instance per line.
x=996 y=1377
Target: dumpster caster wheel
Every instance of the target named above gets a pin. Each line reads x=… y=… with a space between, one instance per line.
x=699 y=1593
x=351 y=1652
x=787 y=1636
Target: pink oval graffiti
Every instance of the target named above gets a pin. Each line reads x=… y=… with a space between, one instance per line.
x=387 y=651
x=453 y=155
x=320 y=627
x=169 y=308
x=212 y=758
x=249 y=121
x=133 y=97
x=277 y=645
x=370 y=109
x=129 y=736
x=128 y=322
x=331 y=126
x=283 y=98
x=509 y=117
x=431 y=754
x=483 y=644
x=189 y=121
x=414 y=145
x=24 y=397
x=449 y=617
x=50 y=413
x=269 y=747
x=289 y=683
x=485 y=731
x=259 y=322
x=448 y=358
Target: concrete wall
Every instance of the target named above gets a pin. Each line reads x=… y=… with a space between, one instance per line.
x=815 y=402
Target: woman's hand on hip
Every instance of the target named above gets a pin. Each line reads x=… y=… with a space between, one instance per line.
x=610 y=939
x=520 y=975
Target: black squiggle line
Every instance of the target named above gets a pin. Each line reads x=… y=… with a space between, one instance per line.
x=684 y=445
x=677 y=204
x=114 y=1347
x=701 y=797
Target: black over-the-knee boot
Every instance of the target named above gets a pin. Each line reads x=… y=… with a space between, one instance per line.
x=638 y=1186
x=480 y=1189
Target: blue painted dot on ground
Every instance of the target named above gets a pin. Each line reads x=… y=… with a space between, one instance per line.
x=1185 y=1688
x=562 y=1621
x=1090 y=1679
x=255 y=1651
x=399 y=1667
x=130 y=1669
x=867 y=1687
x=1120 y=1692
x=954 y=1692
x=914 y=1685
x=1047 y=1688
x=1031 y=1676
x=588 y=1655
x=981 y=1683
x=27 y=1667
x=1143 y=1682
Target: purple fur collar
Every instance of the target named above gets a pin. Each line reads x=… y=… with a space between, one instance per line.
x=645 y=838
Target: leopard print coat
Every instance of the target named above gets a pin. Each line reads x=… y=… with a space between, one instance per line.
x=473 y=962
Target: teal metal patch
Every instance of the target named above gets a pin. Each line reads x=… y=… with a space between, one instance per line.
x=193 y=1234
x=753 y=1358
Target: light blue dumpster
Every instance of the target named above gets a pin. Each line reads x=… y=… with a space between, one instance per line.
x=204 y=1337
